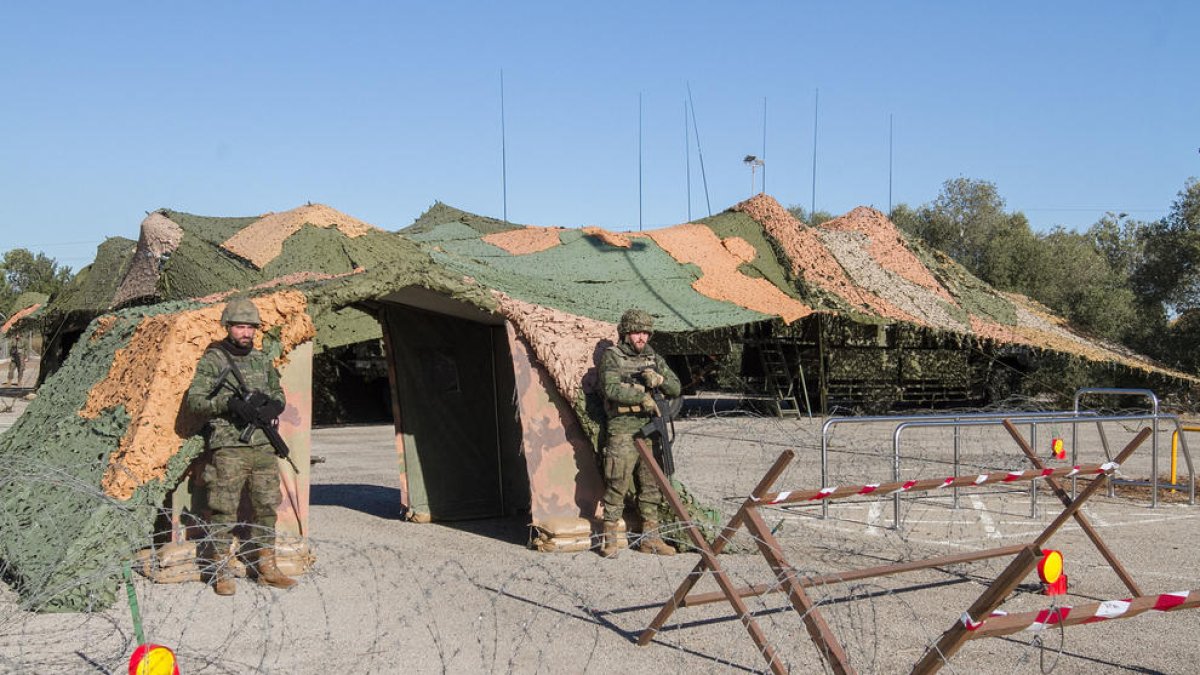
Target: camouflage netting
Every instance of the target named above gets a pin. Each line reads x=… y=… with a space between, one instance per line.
x=93 y=456
x=90 y=292
x=214 y=255
x=90 y=461
x=752 y=262
x=25 y=309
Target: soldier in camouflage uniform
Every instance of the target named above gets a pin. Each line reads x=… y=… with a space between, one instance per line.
x=629 y=371
x=234 y=463
x=16 y=361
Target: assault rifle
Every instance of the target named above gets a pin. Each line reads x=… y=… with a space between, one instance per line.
x=658 y=427
x=260 y=417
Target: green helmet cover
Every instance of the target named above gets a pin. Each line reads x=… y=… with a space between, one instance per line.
x=240 y=310
x=636 y=321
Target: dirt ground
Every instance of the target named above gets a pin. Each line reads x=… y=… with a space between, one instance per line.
x=387 y=595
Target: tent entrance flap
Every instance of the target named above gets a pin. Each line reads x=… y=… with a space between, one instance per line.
x=455 y=427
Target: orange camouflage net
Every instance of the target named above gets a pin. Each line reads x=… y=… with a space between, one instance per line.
x=103 y=325
x=720 y=278
x=810 y=260
x=525 y=240
x=261 y=242
x=740 y=249
x=611 y=238
x=151 y=375
x=17 y=316
x=888 y=247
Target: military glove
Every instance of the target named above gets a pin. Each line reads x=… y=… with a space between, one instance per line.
x=265 y=407
x=242 y=409
x=652 y=378
x=649 y=405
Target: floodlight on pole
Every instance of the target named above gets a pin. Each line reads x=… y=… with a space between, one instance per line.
x=753 y=162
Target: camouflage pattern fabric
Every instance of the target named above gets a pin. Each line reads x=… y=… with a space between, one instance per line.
x=231 y=470
x=623 y=391
x=223 y=429
x=15 y=362
x=235 y=464
x=623 y=469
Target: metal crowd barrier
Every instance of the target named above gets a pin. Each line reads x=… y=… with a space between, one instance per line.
x=1033 y=419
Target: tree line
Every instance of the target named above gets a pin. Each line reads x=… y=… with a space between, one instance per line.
x=22 y=270
x=1129 y=281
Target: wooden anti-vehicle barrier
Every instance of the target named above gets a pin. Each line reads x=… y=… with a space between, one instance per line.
x=981 y=619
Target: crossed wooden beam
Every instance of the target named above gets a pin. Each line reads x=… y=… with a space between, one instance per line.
x=978 y=621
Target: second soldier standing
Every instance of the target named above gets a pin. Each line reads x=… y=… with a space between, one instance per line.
x=629 y=371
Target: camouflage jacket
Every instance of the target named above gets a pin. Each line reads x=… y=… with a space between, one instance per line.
x=624 y=390
x=224 y=429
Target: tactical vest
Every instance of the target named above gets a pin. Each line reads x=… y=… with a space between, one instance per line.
x=256 y=366
x=629 y=366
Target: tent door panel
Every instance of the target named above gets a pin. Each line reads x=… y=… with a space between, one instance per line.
x=445 y=377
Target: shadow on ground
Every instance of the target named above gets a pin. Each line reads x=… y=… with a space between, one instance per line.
x=511 y=530
x=374 y=500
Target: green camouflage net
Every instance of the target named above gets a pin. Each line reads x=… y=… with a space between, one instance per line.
x=90 y=292
x=61 y=538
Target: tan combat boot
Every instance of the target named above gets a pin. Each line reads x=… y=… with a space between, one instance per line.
x=268 y=573
x=222 y=576
x=608 y=548
x=651 y=542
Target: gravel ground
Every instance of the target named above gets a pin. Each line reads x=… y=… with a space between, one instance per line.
x=387 y=595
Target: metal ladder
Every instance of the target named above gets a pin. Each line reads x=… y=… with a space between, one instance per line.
x=779 y=380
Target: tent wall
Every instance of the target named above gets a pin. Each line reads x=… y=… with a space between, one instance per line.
x=564 y=476
x=457 y=442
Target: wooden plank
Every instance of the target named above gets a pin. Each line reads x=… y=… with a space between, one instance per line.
x=952 y=640
x=719 y=545
x=818 y=629
x=710 y=560
x=1084 y=523
x=856 y=575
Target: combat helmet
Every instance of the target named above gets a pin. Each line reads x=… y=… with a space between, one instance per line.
x=635 y=321
x=240 y=310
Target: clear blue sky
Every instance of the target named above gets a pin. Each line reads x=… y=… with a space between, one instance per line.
x=379 y=108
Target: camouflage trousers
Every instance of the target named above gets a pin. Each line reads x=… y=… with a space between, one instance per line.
x=624 y=471
x=15 y=369
x=229 y=471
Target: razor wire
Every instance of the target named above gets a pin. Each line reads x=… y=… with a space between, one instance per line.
x=386 y=594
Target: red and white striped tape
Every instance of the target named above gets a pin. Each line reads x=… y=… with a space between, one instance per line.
x=1002 y=623
x=887 y=489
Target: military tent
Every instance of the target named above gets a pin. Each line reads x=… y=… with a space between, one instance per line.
x=492 y=332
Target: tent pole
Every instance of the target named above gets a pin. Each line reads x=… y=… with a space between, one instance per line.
x=822 y=375
x=496 y=424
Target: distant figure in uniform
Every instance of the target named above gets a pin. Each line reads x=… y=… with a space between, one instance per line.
x=16 y=362
x=234 y=463
x=629 y=372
